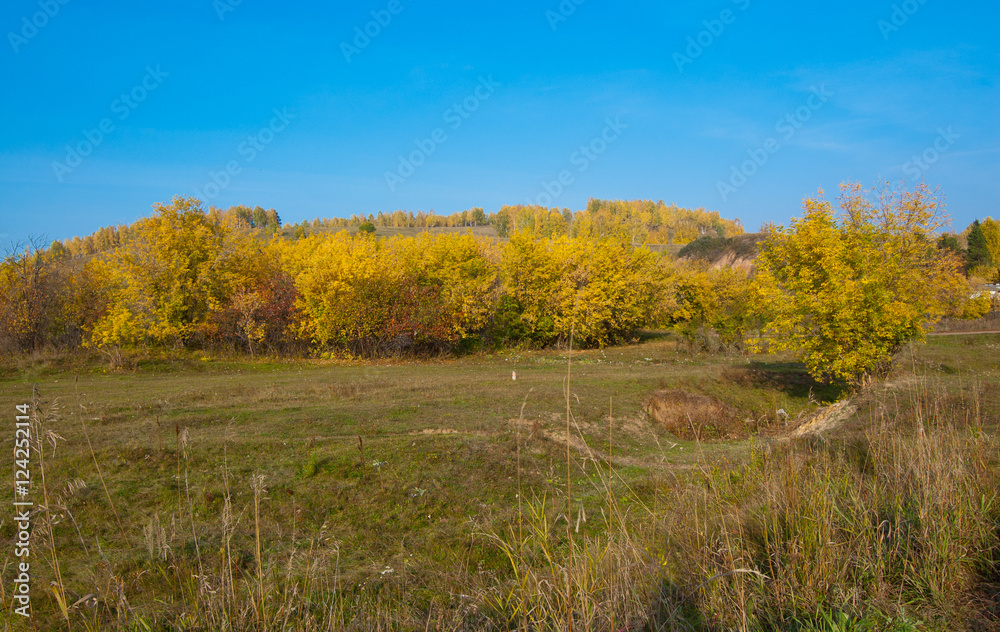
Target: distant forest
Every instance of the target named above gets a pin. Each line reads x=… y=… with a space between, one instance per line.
x=639 y=221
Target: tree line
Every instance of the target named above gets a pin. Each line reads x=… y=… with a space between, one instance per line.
x=843 y=287
x=641 y=221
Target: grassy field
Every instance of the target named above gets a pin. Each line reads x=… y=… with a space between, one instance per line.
x=215 y=493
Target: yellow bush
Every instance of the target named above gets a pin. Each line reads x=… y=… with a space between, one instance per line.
x=374 y=296
x=846 y=290
x=704 y=300
x=600 y=290
x=177 y=269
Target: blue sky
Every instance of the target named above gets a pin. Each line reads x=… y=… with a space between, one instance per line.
x=739 y=106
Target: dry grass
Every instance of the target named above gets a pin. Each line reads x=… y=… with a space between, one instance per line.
x=897 y=530
x=696 y=417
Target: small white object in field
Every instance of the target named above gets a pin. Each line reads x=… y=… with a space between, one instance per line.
x=782 y=413
x=513 y=375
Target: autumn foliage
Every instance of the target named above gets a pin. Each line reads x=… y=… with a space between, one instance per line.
x=372 y=297
x=597 y=291
x=844 y=290
x=713 y=308
x=375 y=296
x=39 y=300
x=179 y=276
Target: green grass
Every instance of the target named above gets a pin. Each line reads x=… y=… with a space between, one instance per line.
x=416 y=467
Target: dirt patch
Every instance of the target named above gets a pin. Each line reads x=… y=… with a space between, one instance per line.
x=635 y=425
x=692 y=416
x=825 y=420
x=733 y=260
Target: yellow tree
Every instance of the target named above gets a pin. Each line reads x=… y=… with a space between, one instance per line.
x=991 y=235
x=176 y=269
x=608 y=289
x=35 y=289
x=601 y=290
x=451 y=280
x=376 y=296
x=705 y=300
x=846 y=290
x=252 y=302
x=530 y=272
x=348 y=290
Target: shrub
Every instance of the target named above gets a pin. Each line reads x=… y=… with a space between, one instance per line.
x=845 y=291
